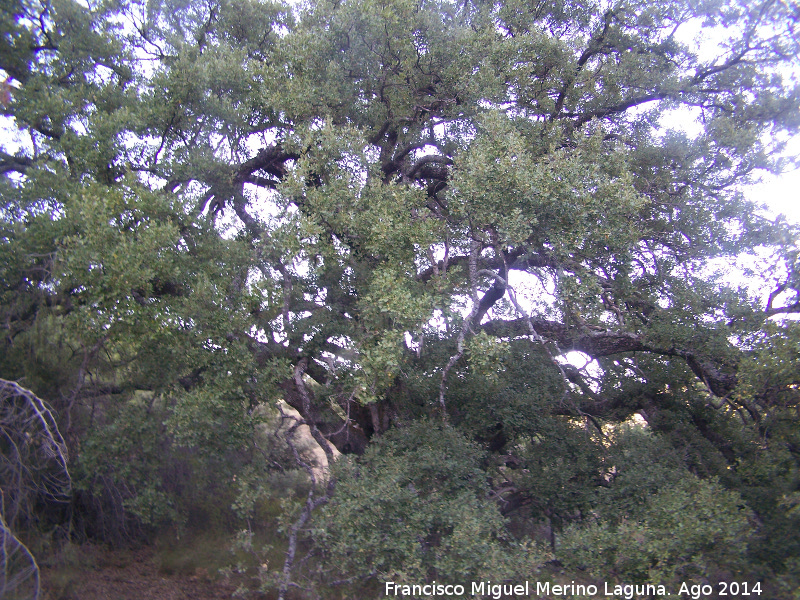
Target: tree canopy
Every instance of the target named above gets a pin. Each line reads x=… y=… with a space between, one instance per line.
x=460 y=239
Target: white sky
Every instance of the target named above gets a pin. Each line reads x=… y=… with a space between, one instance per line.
x=781 y=193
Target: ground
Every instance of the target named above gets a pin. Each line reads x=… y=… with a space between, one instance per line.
x=138 y=574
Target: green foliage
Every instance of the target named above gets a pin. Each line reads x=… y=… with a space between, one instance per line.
x=561 y=469
x=119 y=458
x=656 y=522
x=694 y=530
x=209 y=206
x=415 y=508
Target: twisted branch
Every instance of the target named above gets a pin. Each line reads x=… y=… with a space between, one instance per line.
x=33 y=462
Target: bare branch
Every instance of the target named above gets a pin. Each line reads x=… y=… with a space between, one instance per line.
x=33 y=463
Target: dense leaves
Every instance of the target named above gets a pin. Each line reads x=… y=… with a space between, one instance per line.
x=416 y=506
x=456 y=238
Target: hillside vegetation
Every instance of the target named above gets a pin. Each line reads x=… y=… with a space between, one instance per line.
x=406 y=291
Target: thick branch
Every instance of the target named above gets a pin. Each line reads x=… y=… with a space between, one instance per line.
x=596 y=344
x=14 y=164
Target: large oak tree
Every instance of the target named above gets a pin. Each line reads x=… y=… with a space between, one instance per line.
x=387 y=212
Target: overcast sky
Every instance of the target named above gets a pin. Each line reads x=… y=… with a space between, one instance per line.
x=781 y=194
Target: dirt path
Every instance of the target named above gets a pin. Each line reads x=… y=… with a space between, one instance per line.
x=130 y=575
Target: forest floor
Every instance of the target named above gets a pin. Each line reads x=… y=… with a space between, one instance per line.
x=131 y=575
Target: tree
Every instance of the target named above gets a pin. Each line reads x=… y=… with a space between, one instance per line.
x=387 y=211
